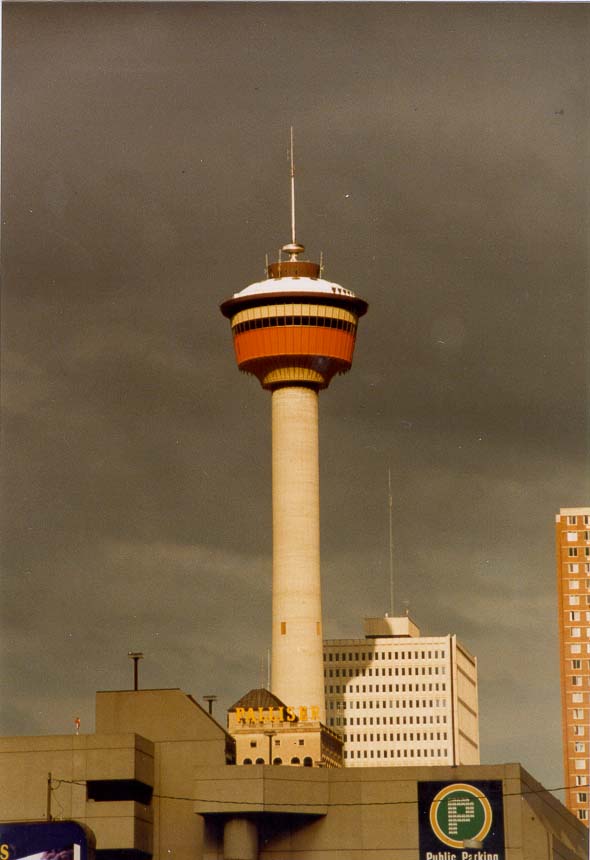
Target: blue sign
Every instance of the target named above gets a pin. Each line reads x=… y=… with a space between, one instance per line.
x=47 y=840
x=461 y=820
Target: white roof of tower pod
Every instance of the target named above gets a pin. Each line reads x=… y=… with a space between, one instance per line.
x=293 y=285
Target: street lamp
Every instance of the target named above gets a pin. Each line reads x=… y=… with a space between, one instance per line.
x=136 y=656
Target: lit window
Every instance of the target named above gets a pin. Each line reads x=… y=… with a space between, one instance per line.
x=574 y=583
x=572 y=536
x=576 y=632
x=577 y=698
x=579 y=747
x=573 y=567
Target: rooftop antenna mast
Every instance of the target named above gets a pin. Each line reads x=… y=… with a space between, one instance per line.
x=390 y=506
x=292 y=192
x=293 y=248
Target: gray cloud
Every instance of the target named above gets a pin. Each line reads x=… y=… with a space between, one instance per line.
x=441 y=167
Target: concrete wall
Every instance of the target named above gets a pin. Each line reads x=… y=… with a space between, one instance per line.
x=298 y=813
x=184 y=737
x=359 y=813
x=72 y=760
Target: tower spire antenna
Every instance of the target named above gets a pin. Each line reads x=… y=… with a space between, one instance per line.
x=293 y=248
x=390 y=506
x=293 y=241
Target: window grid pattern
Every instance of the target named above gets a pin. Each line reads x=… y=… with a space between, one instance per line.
x=573 y=572
x=391 y=700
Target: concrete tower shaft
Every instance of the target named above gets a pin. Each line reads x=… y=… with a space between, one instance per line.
x=297 y=656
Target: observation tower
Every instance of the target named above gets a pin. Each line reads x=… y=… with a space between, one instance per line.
x=294 y=331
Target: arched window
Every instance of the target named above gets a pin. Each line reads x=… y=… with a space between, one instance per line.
x=277 y=761
x=259 y=761
x=307 y=761
x=295 y=760
x=247 y=761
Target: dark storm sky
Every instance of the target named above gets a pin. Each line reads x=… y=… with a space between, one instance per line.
x=442 y=169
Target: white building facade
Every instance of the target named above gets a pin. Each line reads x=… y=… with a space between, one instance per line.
x=399 y=698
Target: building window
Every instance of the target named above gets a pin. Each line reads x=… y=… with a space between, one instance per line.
x=295 y=760
x=119 y=789
x=575 y=632
x=573 y=568
x=572 y=537
x=579 y=747
x=572 y=551
x=571 y=521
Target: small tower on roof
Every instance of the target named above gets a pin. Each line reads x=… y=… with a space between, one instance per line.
x=295 y=331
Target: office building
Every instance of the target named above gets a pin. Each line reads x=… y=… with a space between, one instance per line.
x=399 y=698
x=572 y=531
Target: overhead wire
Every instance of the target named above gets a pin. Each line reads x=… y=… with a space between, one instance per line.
x=315 y=804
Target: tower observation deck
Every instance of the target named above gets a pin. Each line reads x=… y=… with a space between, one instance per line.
x=294 y=331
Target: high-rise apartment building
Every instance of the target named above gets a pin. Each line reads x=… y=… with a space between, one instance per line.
x=572 y=526
x=399 y=698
